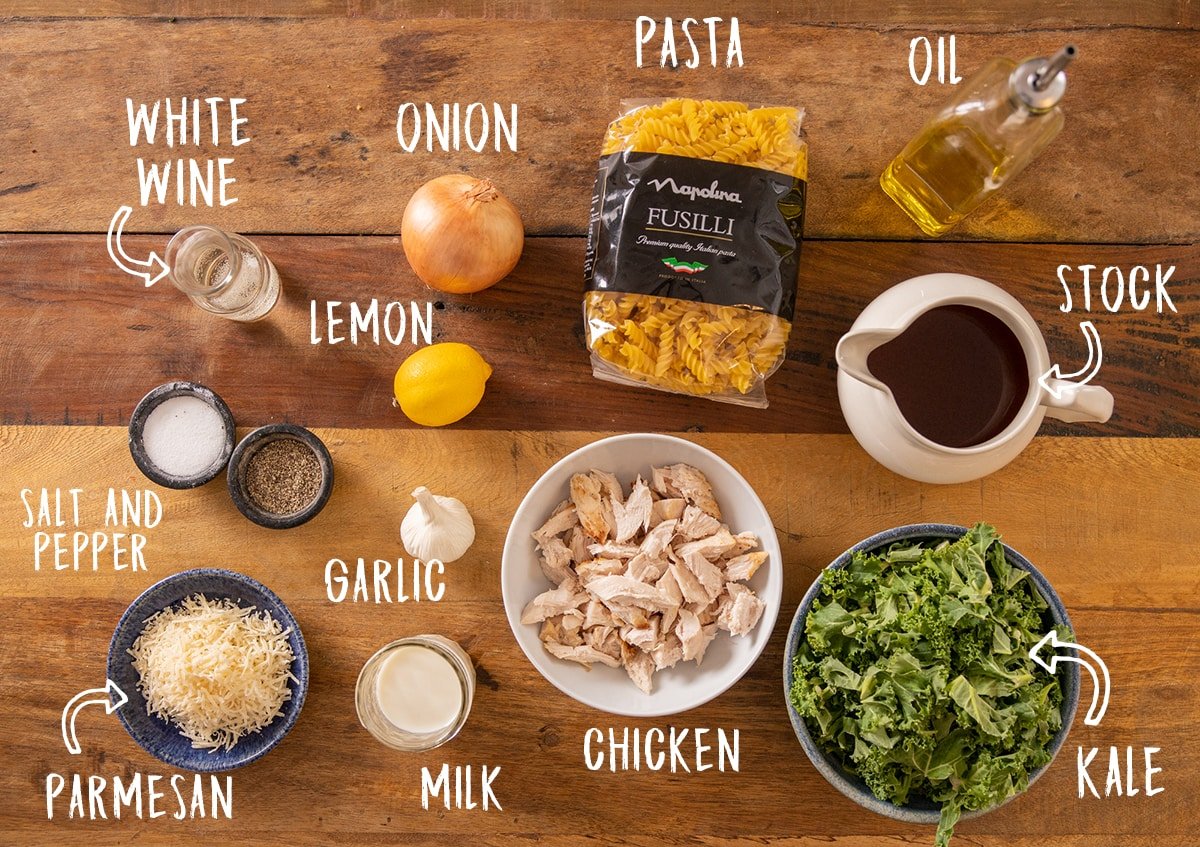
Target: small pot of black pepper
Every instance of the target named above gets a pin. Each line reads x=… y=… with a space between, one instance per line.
x=280 y=476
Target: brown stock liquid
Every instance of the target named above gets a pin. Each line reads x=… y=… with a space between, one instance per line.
x=958 y=374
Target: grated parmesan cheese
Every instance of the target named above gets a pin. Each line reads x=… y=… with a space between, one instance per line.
x=216 y=670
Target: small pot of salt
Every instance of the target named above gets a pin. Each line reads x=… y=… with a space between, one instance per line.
x=280 y=476
x=181 y=435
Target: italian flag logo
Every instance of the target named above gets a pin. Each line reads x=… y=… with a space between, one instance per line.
x=683 y=267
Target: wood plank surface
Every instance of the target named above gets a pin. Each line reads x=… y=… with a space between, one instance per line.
x=1106 y=512
x=69 y=312
x=322 y=102
x=1016 y=15
x=1101 y=517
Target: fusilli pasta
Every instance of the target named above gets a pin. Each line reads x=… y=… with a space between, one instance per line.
x=698 y=348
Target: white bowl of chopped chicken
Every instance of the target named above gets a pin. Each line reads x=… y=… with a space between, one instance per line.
x=642 y=575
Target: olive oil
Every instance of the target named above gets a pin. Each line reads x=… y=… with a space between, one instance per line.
x=990 y=130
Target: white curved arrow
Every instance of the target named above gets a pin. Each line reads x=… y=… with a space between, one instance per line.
x=91 y=697
x=1099 y=691
x=1085 y=374
x=151 y=269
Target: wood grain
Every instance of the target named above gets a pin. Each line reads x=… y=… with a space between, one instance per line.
x=1021 y=15
x=1084 y=509
x=1108 y=519
x=69 y=313
x=1101 y=517
x=322 y=104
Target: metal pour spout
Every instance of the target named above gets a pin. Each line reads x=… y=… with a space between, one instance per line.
x=1039 y=83
x=1055 y=65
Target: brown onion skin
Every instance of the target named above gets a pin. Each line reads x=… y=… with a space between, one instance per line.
x=460 y=234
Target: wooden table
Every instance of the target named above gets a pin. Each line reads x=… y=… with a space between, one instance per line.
x=1108 y=512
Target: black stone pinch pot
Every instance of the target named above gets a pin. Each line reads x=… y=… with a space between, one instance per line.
x=137 y=425
x=240 y=460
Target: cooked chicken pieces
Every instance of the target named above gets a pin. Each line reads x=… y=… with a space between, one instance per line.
x=552 y=604
x=745 y=566
x=708 y=574
x=623 y=591
x=696 y=523
x=633 y=516
x=583 y=654
x=562 y=520
x=666 y=510
x=640 y=667
x=692 y=486
x=644 y=580
x=556 y=561
x=741 y=615
x=585 y=494
x=658 y=539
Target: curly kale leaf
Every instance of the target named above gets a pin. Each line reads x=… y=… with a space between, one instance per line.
x=914 y=673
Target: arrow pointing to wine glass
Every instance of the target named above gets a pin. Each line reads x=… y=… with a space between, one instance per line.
x=1099 y=691
x=1085 y=374
x=151 y=269
x=91 y=697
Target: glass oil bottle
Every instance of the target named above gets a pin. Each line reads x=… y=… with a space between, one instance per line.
x=1000 y=119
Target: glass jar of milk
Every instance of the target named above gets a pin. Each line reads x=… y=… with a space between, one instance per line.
x=415 y=693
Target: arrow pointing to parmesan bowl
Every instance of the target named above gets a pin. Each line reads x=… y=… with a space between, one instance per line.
x=1088 y=659
x=1085 y=374
x=151 y=269
x=111 y=697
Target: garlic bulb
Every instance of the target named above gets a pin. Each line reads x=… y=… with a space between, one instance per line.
x=437 y=527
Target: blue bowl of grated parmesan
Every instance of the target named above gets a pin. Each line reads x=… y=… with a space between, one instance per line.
x=215 y=669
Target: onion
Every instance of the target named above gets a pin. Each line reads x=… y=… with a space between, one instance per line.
x=460 y=234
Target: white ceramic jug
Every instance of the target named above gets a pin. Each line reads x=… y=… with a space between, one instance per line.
x=880 y=427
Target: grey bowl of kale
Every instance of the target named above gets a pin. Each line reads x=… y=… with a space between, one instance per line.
x=909 y=679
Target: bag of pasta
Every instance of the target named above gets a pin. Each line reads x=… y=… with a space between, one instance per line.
x=694 y=245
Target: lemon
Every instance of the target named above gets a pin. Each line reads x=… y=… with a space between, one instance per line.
x=441 y=384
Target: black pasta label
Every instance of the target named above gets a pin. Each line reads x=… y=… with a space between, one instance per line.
x=697 y=230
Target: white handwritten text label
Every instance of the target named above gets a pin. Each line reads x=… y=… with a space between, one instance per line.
x=675 y=749
x=463 y=797
x=1112 y=286
x=920 y=53
x=672 y=45
x=182 y=123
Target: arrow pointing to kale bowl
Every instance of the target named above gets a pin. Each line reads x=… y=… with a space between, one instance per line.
x=151 y=269
x=1099 y=689
x=111 y=697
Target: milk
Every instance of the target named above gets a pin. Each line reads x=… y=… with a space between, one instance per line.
x=418 y=690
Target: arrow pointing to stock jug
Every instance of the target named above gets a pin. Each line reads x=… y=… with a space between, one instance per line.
x=151 y=269
x=1099 y=691
x=92 y=697
x=1082 y=376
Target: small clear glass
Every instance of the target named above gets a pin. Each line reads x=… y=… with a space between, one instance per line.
x=371 y=716
x=223 y=273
